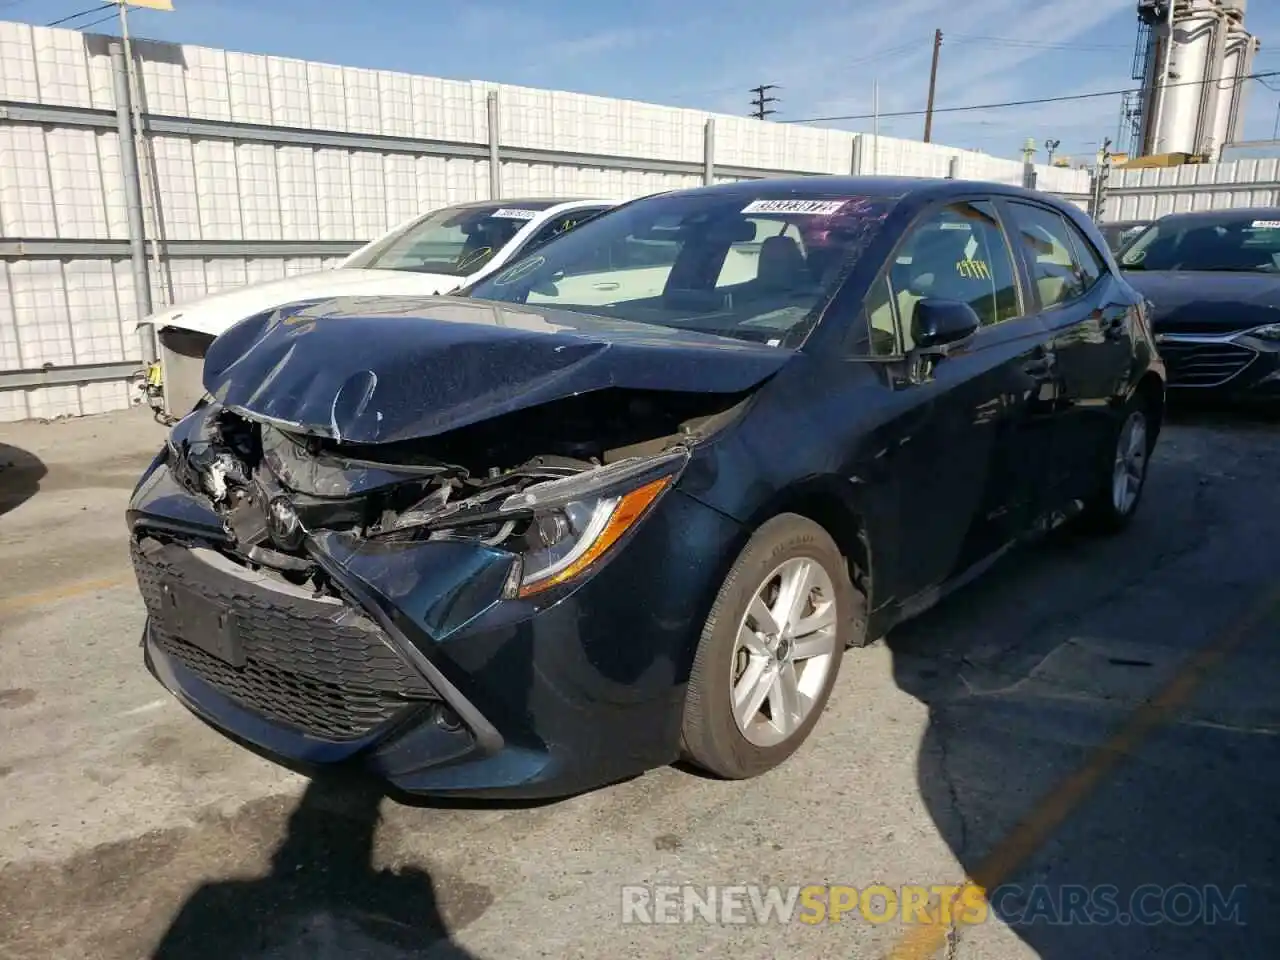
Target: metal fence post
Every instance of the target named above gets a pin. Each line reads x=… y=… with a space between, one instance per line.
x=1029 y=175
x=133 y=199
x=953 y=168
x=855 y=160
x=709 y=152
x=495 y=158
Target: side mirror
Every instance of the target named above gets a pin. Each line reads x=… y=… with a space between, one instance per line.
x=939 y=326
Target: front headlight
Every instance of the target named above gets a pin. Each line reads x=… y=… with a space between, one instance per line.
x=1270 y=331
x=561 y=528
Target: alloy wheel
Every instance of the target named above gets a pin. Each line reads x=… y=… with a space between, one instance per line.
x=785 y=648
x=1130 y=467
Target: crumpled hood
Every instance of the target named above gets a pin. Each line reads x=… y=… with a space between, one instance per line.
x=378 y=370
x=214 y=315
x=1208 y=302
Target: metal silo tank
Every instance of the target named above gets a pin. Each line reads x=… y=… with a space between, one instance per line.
x=1236 y=65
x=1179 y=107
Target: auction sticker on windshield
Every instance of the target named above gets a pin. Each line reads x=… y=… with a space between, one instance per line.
x=512 y=213
x=820 y=208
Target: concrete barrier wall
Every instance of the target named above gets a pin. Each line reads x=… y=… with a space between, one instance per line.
x=1149 y=194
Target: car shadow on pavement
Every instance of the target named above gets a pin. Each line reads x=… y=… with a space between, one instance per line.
x=1164 y=845
x=323 y=898
x=1221 y=413
x=20 y=476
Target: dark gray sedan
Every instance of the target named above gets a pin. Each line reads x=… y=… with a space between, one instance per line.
x=1214 y=279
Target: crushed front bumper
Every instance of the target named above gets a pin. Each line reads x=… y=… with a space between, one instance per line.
x=418 y=672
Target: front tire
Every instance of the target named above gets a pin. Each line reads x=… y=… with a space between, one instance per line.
x=770 y=650
x=1120 y=488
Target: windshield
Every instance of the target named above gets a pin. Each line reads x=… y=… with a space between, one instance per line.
x=454 y=241
x=752 y=266
x=1231 y=244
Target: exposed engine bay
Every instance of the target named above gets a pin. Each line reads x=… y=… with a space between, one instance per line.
x=272 y=486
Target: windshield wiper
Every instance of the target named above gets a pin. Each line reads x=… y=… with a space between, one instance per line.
x=1258 y=269
x=443 y=269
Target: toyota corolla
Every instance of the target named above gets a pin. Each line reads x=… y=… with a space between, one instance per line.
x=632 y=497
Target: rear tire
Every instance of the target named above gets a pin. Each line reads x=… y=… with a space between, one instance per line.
x=1124 y=477
x=770 y=650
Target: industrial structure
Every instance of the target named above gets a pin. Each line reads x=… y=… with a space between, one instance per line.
x=1194 y=58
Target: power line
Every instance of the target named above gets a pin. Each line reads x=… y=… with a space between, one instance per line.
x=901 y=48
x=94 y=23
x=82 y=13
x=871 y=58
x=1037 y=44
x=1022 y=103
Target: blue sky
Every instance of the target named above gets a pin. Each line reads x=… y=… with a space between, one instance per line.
x=706 y=55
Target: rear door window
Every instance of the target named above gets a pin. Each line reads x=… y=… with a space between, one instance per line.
x=1091 y=263
x=1045 y=240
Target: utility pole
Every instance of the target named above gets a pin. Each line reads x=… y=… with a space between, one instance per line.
x=1028 y=163
x=933 y=85
x=759 y=102
x=1101 y=172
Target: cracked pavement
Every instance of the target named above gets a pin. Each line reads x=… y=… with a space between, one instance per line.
x=129 y=829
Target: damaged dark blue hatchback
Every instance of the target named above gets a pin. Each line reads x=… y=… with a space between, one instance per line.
x=632 y=497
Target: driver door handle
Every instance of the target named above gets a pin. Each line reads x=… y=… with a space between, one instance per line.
x=607 y=285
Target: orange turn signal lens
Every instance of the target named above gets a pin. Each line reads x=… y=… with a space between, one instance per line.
x=629 y=509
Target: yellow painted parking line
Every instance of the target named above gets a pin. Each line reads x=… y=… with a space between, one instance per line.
x=1027 y=837
x=40 y=598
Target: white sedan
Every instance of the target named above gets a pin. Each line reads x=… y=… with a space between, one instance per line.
x=430 y=255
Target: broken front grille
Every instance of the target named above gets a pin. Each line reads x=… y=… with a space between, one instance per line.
x=320 y=668
x=1203 y=364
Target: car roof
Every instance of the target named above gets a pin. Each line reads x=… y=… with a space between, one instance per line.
x=827 y=184
x=589 y=201
x=1224 y=213
x=531 y=203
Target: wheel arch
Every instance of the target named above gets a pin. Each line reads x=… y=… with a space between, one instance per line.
x=829 y=503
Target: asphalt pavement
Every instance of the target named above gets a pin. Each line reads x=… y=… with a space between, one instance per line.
x=1094 y=719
